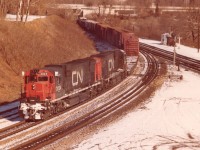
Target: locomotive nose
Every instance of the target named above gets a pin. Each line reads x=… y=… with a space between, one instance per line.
x=33 y=87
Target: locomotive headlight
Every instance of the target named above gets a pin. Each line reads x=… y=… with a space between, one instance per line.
x=56 y=73
x=33 y=87
x=23 y=73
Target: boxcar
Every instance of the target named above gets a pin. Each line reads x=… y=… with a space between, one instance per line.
x=117 y=35
x=109 y=35
x=130 y=43
x=91 y=25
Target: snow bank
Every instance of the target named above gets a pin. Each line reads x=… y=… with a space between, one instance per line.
x=10 y=17
x=170 y=119
x=180 y=49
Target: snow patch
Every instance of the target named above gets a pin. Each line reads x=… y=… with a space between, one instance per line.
x=170 y=119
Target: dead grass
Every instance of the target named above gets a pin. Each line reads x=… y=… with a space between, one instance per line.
x=43 y=41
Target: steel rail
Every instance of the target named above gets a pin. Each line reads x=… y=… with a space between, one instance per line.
x=95 y=115
x=180 y=59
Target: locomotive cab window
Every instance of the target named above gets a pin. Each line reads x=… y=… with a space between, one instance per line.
x=30 y=79
x=26 y=79
x=33 y=78
x=44 y=78
x=51 y=79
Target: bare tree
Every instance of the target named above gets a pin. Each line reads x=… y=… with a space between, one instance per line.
x=3 y=8
x=193 y=26
x=104 y=4
x=19 y=9
x=23 y=8
x=157 y=7
x=27 y=9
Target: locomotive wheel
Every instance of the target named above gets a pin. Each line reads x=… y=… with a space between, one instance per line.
x=58 y=107
x=111 y=83
x=55 y=110
x=93 y=93
x=52 y=110
x=42 y=116
x=47 y=113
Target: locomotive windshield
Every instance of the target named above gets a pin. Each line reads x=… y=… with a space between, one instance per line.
x=30 y=79
x=44 y=78
x=35 y=79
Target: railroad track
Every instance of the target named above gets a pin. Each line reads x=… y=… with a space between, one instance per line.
x=187 y=62
x=96 y=114
x=15 y=128
x=23 y=125
x=110 y=107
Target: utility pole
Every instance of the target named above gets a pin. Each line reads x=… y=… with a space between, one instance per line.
x=174 y=60
x=179 y=41
x=198 y=34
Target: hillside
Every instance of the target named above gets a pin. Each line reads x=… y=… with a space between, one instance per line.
x=43 y=41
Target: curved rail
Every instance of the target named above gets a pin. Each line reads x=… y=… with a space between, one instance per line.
x=180 y=59
x=105 y=110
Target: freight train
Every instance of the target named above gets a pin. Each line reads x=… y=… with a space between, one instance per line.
x=59 y=86
x=56 y=87
x=120 y=38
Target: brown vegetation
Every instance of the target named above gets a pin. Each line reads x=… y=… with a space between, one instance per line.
x=147 y=25
x=43 y=41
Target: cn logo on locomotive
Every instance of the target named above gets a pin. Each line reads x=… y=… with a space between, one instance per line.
x=110 y=64
x=77 y=77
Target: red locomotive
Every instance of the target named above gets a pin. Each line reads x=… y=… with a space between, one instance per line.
x=38 y=79
x=57 y=87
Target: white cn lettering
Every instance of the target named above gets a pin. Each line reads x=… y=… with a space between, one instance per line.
x=110 y=64
x=77 y=76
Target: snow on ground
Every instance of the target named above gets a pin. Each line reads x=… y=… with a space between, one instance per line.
x=93 y=9
x=10 y=120
x=10 y=17
x=170 y=119
x=180 y=49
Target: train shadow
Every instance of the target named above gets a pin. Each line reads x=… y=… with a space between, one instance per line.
x=99 y=44
x=9 y=112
